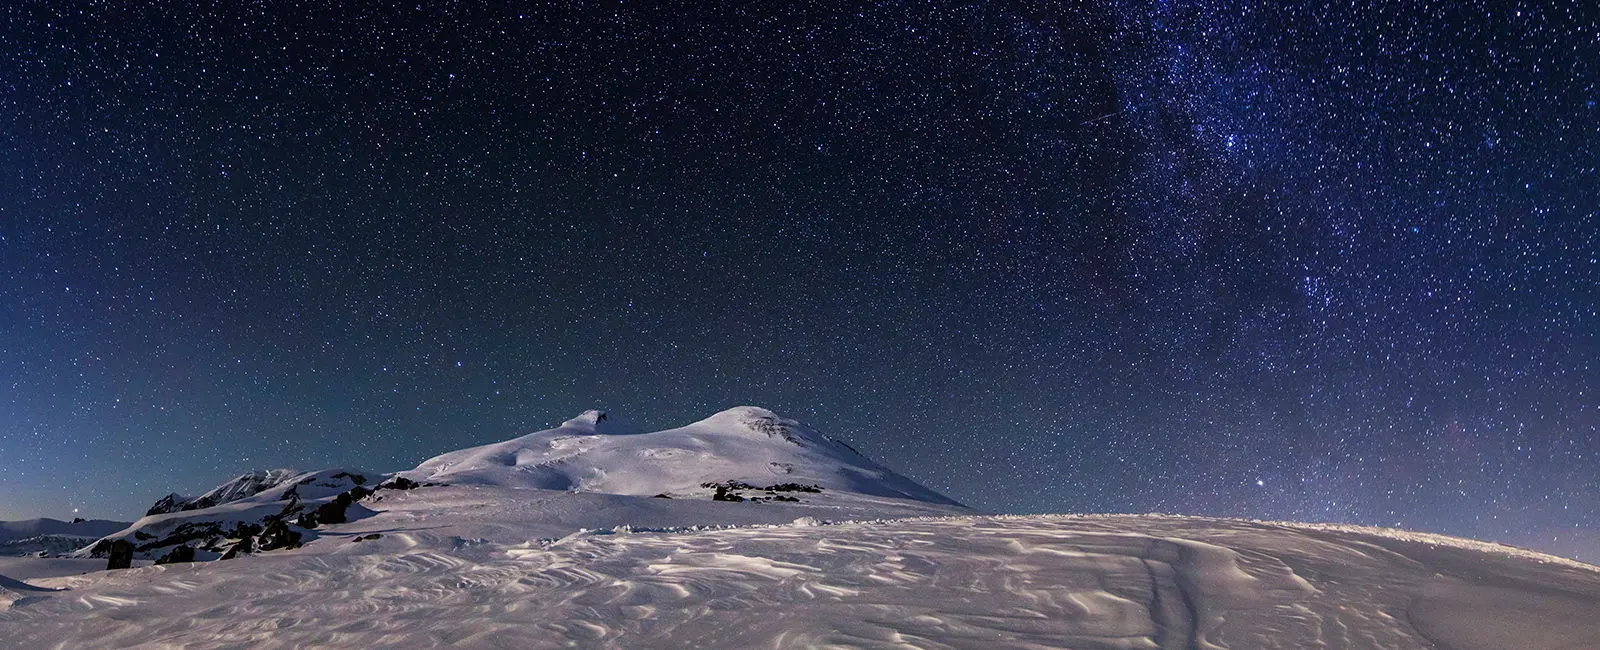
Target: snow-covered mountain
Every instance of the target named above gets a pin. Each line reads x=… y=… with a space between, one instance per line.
x=260 y=509
x=242 y=486
x=52 y=536
x=12 y=530
x=746 y=445
x=744 y=454
x=749 y=530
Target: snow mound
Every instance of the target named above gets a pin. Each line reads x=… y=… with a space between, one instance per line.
x=743 y=446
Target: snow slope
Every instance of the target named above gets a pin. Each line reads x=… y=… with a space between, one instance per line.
x=745 y=444
x=969 y=581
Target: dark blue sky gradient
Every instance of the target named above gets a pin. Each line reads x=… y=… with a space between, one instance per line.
x=1287 y=262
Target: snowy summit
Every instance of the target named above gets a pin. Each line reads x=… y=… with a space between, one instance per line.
x=744 y=530
x=746 y=444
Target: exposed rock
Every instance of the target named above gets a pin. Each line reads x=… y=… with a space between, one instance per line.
x=277 y=535
x=120 y=552
x=245 y=530
x=363 y=538
x=179 y=554
x=728 y=491
x=663 y=495
x=776 y=427
x=184 y=533
x=171 y=503
x=242 y=547
x=794 y=487
x=731 y=485
x=242 y=486
x=399 y=483
x=332 y=512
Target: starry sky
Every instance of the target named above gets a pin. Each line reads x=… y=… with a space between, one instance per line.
x=1308 y=261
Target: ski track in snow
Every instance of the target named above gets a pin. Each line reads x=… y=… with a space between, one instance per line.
x=981 y=582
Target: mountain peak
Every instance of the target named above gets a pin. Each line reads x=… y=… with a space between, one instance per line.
x=746 y=412
x=588 y=420
x=762 y=421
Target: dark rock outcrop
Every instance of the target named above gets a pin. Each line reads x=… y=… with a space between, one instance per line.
x=277 y=535
x=170 y=503
x=120 y=552
x=188 y=532
x=794 y=487
x=399 y=483
x=242 y=547
x=181 y=553
x=245 y=530
x=729 y=491
x=333 y=512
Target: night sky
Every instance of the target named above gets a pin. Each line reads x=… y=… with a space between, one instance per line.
x=1225 y=257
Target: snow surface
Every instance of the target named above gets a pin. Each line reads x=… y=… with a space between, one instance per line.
x=968 y=581
x=497 y=559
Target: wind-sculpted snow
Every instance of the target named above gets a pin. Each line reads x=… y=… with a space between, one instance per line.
x=1119 y=582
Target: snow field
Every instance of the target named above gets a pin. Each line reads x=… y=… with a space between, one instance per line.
x=1049 y=581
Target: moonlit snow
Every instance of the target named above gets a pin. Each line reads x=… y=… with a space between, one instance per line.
x=578 y=537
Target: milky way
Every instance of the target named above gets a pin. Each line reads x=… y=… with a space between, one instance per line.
x=1231 y=258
